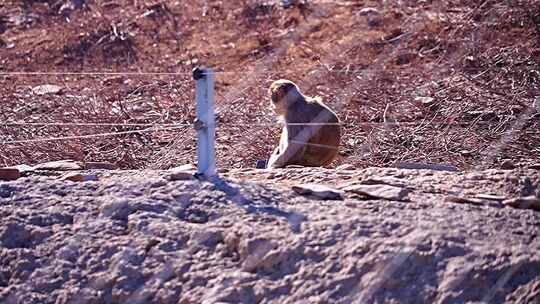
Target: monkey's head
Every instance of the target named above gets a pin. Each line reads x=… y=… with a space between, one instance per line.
x=283 y=93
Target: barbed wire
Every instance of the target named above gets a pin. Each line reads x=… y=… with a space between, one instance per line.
x=252 y=72
x=87 y=136
x=360 y=124
x=172 y=127
x=156 y=73
x=90 y=124
x=224 y=124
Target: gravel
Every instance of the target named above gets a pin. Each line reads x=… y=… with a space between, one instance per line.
x=139 y=237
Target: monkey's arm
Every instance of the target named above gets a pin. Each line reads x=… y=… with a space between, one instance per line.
x=291 y=146
x=281 y=147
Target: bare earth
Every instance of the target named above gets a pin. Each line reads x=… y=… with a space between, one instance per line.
x=143 y=237
x=457 y=80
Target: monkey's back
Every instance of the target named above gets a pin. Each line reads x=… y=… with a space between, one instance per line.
x=324 y=134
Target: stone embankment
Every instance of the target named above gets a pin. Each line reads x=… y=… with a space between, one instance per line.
x=297 y=235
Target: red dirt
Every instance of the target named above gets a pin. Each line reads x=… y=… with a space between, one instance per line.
x=478 y=60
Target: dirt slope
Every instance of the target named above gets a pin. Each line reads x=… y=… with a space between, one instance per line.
x=139 y=237
x=455 y=80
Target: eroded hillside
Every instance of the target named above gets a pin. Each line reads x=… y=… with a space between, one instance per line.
x=455 y=81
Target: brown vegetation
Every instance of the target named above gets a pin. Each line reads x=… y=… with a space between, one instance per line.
x=453 y=80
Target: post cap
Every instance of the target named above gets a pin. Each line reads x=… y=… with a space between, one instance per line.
x=198 y=73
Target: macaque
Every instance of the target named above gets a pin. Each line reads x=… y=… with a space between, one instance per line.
x=311 y=131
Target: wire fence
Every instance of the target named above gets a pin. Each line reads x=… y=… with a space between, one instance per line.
x=247 y=131
x=174 y=127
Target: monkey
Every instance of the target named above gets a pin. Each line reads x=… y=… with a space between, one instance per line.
x=311 y=132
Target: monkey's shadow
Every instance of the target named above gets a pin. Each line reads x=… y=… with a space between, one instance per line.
x=251 y=206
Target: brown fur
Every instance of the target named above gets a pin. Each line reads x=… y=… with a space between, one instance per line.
x=305 y=145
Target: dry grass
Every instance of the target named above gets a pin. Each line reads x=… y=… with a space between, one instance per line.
x=478 y=61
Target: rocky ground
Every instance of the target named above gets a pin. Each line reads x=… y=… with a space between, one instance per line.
x=379 y=235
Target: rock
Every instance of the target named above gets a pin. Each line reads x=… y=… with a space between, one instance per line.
x=373 y=15
x=490 y=197
x=318 y=191
x=23 y=168
x=507 y=164
x=47 y=89
x=8 y=174
x=380 y=191
x=79 y=177
x=116 y=210
x=485 y=115
x=66 y=9
x=186 y=167
x=534 y=166
x=466 y=153
x=479 y=200
x=345 y=167
x=427 y=101
x=15 y=235
x=463 y=200
x=527 y=202
x=254 y=253
x=386 y=180
x=180 y=176
x=207 y=238
x=369 y=11
x=184 y=172
x=294 y=167
x=60 y=165
x=116 y=80
x=99 y=166
x=420 y=166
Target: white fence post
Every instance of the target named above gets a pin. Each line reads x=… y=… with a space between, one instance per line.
x=205 y=122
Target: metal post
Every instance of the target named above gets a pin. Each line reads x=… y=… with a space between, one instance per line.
x=205 y=123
